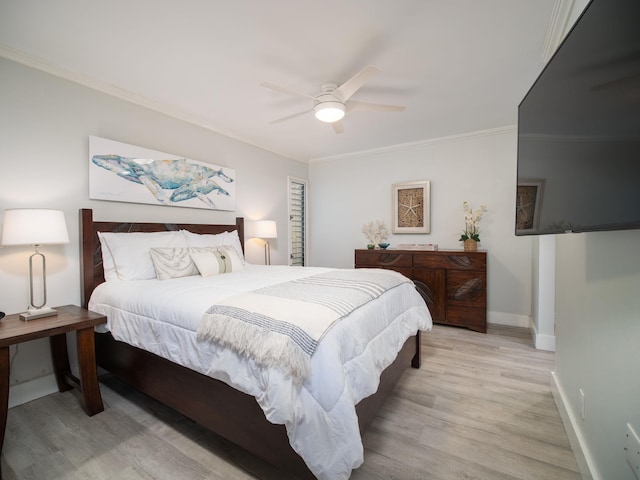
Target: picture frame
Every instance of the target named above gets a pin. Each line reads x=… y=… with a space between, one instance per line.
x=411 y=207
x=529 y=195
x=120 y=172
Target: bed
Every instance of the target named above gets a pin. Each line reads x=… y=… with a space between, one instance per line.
x=232 y=407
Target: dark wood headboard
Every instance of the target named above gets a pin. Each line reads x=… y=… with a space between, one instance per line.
x=91 y=253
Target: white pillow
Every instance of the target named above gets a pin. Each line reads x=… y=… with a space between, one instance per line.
x=172 y=263
x=215 y=240
x=213 y=262
x=130 y=251
x=204 y=240
x=233 y=239
x=108 y=265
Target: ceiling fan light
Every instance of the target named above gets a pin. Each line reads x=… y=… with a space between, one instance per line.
x=329 y=112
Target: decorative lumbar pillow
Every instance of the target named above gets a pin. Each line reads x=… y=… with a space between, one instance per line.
x=237 y=262
x=172 y=263
x=130 y=251
x=213 y=262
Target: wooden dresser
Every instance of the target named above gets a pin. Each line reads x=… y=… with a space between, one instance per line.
x=452 y=282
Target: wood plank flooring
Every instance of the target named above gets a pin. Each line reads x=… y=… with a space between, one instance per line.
x=480 y=407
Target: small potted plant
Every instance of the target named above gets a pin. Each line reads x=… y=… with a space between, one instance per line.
x=471 y=234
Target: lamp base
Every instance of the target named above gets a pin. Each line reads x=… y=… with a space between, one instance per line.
x=34 y=313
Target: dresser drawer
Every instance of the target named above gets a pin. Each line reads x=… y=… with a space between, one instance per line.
x=464 y=261
x=466 y=288
x=377 y=258
x=469 y=317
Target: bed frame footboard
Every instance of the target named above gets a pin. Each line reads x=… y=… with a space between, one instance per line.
x=222 y=409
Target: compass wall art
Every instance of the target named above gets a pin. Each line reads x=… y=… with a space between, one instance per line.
x=411 y=207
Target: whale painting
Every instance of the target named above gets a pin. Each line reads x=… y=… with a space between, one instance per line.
x=126 y=173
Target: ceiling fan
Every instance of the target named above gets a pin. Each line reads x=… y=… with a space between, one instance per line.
x=333 y=101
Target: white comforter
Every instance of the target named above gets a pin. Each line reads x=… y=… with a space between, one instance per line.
x=162 y=317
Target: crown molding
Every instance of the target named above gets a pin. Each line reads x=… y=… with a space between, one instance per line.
x=136 y=99
x=557 y=28
x=126 y=95
x=418 y=144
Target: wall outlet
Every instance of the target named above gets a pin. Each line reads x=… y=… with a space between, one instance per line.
x=583 y=411
x=633 y=450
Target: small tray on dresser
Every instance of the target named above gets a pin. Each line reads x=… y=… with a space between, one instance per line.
x=429 y=247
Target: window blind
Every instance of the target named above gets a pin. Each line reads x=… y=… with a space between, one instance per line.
x=297 y=221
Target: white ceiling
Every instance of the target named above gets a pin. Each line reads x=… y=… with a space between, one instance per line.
x=458 y=66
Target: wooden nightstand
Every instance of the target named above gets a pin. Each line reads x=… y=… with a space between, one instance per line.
x=70 y=318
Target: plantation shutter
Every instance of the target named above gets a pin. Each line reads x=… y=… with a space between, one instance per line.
x=297 y=221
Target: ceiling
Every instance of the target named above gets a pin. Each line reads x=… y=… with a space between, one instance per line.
x=459 y=66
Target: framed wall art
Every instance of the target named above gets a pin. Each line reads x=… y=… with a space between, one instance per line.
x=528 y=204
x=411 y=207
x=121 y=172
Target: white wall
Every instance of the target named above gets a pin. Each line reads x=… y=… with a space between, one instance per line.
x=543 y=292
x=346 y=193
x=45 y=123
x=598 y=342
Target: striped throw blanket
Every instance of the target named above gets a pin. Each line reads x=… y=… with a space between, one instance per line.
x=281 y=325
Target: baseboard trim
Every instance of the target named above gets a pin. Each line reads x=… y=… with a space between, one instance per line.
x=545 y=342
x=540 y=341
x=510 y=319
x=32 y=389
x=585 y=462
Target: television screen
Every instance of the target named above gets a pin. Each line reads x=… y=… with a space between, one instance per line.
x=579 y=129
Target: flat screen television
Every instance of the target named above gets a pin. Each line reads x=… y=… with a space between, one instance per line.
x=578 y=167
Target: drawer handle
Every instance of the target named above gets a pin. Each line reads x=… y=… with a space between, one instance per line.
x=388 y=258
x=463 y=261
x=469 y=289
x=424 y=291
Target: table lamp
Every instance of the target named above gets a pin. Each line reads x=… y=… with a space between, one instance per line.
x=32 y=226
x=265 y=229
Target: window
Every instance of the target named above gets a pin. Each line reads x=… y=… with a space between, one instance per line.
x=297 y=221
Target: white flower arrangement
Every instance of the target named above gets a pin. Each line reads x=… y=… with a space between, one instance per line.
x=376 y=231
x=471 y=222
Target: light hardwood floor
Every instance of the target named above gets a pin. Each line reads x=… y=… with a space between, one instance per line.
x=480 y=407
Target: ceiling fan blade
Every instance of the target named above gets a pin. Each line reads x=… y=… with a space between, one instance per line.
x=351 y=86
x=357 y=106
x=278 y=88
x=289 y=117
x=338 y=127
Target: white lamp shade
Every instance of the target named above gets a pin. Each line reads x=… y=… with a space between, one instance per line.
x=263 y=229
x=34 y=226
x=329 y=112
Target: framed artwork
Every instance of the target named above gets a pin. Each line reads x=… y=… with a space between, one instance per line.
x=121 y=172
x=411 y=207
x=528 y=204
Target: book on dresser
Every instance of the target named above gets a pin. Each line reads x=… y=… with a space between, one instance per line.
x=453 y=283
